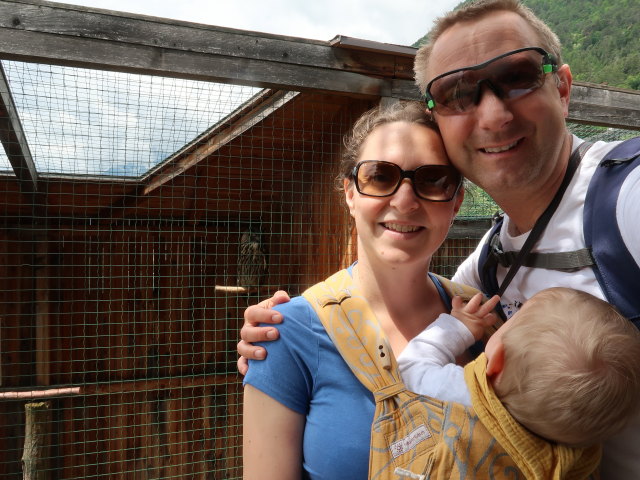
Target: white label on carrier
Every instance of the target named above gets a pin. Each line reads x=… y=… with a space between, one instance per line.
x=409 y=442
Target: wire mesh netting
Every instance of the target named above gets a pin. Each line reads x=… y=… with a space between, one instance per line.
x=162 y=207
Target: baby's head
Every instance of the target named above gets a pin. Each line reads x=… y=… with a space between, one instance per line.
x=567 y=366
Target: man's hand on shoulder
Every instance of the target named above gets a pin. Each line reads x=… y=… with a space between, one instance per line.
x=251 y=332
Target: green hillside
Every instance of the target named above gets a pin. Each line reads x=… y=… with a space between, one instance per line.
x=600 y=38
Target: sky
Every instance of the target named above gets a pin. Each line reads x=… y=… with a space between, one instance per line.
x=86 y=132
x=399 y=22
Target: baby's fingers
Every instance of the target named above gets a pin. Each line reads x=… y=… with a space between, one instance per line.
x=474 y=303
x=488 y=306
x=457 y=303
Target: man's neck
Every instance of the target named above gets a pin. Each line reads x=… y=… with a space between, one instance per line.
x=525 y=207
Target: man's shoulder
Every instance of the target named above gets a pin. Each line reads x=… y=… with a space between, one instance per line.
x=597 y=152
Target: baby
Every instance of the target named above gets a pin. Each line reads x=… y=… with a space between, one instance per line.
x=566 y=366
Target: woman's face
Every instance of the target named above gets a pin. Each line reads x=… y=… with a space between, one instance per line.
x=401 y=228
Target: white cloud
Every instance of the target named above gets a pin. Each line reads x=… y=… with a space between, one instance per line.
x=397 y=21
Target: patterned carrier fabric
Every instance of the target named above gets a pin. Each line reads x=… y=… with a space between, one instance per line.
x=412 y=436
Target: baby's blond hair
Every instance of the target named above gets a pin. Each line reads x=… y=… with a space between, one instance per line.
x=571 y=367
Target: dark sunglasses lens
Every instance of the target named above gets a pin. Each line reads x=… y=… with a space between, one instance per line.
x=509 y=77
x=436 y=182
x=520 y=78
x=455 y=92
x=377 y=178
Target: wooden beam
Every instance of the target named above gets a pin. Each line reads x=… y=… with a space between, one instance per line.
x=13 y=139
x=42 y=17
x=139 y=385
x=594 y=104
x=210 y=141
x=42 y=275
x=36 y=455
x=370 y=45
x=46 y=32
x=469 y=228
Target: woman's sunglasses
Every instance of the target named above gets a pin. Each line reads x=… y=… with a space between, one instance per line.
x=377 y=178
x=510 y=75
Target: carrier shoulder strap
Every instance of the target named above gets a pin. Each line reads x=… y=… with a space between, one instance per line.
x=403 y=437
x=356 y=333
x=358 y=336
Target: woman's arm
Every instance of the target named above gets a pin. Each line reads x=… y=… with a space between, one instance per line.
x=272 y=438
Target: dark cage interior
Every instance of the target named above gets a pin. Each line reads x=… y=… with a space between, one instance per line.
x=122 y=297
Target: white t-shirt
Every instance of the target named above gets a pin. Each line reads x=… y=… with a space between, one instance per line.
x=621 y=458
x=428 y=363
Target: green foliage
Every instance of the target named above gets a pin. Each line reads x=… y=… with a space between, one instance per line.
x=600 y=38
x=477 y=203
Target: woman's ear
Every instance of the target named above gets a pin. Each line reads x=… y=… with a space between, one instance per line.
x=349 y=190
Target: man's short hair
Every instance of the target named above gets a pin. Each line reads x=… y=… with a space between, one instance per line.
x=475 y=11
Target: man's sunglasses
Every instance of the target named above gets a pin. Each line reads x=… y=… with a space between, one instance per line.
x=510 y=75
x=377 y=178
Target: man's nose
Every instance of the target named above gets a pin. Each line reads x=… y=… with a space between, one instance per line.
x=492 y=112
x=490 y=86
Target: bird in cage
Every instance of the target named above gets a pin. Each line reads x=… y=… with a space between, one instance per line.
x=252 y=260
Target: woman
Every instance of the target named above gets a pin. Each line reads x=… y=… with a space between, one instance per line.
x=305 y=413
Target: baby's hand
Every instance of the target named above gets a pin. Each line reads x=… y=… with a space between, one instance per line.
x=475 y=315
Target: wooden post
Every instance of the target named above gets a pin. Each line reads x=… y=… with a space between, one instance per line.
x=36 y=453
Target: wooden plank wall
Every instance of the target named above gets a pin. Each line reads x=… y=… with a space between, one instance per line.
x=121 y=297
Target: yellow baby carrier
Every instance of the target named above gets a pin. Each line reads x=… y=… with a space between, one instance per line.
x=412 y=436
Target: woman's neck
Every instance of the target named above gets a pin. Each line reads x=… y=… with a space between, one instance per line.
x=404 y=299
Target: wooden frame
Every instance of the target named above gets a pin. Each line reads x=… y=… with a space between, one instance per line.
x=40 y=31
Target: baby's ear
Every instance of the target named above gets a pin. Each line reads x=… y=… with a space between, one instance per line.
x=495 y=360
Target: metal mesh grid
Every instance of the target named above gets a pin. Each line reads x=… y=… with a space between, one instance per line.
x=90 y=122
x=123 y=278
x=164 y=207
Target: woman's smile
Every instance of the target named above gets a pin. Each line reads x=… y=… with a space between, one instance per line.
x=401 y=228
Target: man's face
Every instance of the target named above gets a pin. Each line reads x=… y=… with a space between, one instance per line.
x=507 y=146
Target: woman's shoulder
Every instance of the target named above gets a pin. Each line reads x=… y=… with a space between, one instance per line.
x=301 y=327
x=297 y=310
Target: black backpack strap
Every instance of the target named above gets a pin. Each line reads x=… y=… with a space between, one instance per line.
x=488 y=261
x=487 y=264
x=562 y=261
x=616 y=270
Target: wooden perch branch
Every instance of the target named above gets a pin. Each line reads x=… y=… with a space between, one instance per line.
x=123 y=387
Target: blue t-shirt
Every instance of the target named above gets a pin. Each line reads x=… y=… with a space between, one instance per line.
x=305 y=372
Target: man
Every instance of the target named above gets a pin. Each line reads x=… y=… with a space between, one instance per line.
x=503 y=125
